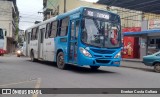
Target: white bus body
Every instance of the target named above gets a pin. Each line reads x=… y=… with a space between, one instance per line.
x=42 y=48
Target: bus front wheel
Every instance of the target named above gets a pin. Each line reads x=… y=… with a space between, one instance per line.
x=94 y=67
x=60 y=61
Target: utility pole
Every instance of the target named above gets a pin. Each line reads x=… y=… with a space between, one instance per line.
x=64 y=6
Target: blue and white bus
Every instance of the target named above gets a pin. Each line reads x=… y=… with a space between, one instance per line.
x=84 y=37
x=2 y=41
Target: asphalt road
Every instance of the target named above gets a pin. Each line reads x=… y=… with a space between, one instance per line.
x=22 y=73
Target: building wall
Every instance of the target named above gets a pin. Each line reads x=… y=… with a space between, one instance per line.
x=150 y=16
x=72 y=4
x=129 y=18
x=8 y=21
x=57 y=6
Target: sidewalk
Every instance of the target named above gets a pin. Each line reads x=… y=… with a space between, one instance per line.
x=132 y=60
x=9 y=54
x=135 y=64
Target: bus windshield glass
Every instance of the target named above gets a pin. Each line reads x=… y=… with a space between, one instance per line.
x=101 y=33
x=1 y=34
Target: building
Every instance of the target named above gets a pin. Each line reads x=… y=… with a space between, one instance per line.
x=129 y=18
x=55 y=7
x=21 y=36
x=9 y=17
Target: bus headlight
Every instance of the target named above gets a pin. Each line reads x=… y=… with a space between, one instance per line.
x=118 y=55
x=85 y=52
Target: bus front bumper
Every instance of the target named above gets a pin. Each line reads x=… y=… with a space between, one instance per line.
x=99 y=62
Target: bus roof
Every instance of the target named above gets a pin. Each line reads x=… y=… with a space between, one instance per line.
x=63 y=15
x=79 y=9
x=43 y=22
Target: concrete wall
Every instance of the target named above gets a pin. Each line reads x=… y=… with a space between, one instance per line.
x=6 y=17
x=7 y=22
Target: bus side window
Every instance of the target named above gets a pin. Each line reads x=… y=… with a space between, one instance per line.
x=42 y=31
x=64 y=27
x=53 y=31
x=37 y=31
x=1 y=34
x=77 y=28
x=29 y=37
x=47 y=30
x=72 y=31
x=25 y=36
x=34 y=34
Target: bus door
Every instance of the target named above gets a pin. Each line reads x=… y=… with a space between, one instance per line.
x=40 y=42
x=73 y=41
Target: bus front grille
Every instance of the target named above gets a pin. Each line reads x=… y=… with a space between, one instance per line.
x=102 y=61
x=102 y=56
x=103 y=51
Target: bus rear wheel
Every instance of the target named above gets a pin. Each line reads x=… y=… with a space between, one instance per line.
x=32 y=57
x=60 y=61
x=94 y=67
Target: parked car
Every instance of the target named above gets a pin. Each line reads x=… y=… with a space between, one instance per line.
x=153 y=60
x=2 y=52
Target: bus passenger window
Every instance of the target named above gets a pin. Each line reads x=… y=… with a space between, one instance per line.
x=42 y=31
x=1 y=34
x=77 y=28
x=37 y=30
x=34 y=34
x=64 y=27
x=25 y=36
x=72 y=31
x=53 y=29
x=47 y=30
x=28 y=37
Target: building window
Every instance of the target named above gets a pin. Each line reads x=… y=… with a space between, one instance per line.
x=152 y=41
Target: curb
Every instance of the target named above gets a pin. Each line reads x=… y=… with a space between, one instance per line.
x=132 y=60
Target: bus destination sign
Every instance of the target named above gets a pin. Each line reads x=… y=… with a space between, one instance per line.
x=96 y=14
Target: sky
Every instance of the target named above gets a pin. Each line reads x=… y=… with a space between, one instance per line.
x=29 y=9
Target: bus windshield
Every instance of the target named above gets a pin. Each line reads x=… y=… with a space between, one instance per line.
x=1 y=34
x=100 y=33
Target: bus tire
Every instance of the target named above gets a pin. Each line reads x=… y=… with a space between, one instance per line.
x=32 y=56
x=60 y=61
x=94 y=67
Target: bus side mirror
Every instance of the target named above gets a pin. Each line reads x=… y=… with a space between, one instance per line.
x=5 y=33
